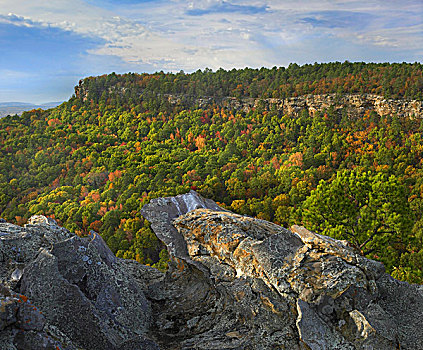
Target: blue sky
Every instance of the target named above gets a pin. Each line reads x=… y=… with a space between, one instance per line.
x=47 y=46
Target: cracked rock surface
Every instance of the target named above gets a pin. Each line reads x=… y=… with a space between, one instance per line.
x=234 y=282
x=61 y=291
x=241 y=283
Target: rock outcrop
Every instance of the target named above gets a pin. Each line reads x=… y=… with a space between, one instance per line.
x=233 y=282
x=354 y=105
x=241 y=283
x=60 y=291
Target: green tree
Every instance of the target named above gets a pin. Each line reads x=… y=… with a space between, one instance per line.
x=369 y=210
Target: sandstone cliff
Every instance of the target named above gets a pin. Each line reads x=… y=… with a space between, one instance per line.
x=354 y=105
x=234 y=282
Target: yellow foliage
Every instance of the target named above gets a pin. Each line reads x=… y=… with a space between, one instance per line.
x=237 y=205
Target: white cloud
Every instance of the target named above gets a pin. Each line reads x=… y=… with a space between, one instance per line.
x=396 y=38
x=164 y=34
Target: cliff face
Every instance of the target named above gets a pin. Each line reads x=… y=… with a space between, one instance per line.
x=353 y=104
x=234 y=282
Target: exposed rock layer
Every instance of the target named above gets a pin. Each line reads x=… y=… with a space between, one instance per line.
x=234 y=282
x=353 y=104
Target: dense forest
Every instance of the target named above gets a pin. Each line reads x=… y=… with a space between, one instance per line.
x=94 y=161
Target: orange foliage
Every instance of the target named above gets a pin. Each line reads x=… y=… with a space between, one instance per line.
x=102 y=211
x=115 y=175
x=54 y=122
x=192 y=174
x=275 y=163
x=296 y=159
x=20 y=220
x=230 y=166
x=190 y=137
x=96 y=225
x=95 y=196
x=200 y=142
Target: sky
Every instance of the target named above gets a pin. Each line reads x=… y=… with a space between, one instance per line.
x=48 y=46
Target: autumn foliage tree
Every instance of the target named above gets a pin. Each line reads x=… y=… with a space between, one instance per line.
x=121 y=140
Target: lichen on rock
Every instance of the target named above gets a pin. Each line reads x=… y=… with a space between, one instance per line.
x=269 y=287
x=234 y=282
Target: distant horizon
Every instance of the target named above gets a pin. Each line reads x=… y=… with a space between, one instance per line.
x=30 y=103
x=16 y=107
x=51 y=46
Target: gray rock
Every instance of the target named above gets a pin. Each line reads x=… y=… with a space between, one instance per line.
x=6 y=339
x=316 y=333
x=139 y=343
x=41 y=220
x=403 y=303
x=143 y=275
x=74 y=291
x=8 y=311
x=353 y=104
x=234 y=282
x=20 y=245
x=16 y=275
x=250 y=284
x=36 y=341
x=162 y=211
x=30 y=318
x=96 y=306
x=22 y=326
x=47 y=228
x=102 y=249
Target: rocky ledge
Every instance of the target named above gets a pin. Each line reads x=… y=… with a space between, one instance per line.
x=233 y=282
x=354 y=105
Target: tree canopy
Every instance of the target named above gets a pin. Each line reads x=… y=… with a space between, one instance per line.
x=369 y=210
x=94 y=161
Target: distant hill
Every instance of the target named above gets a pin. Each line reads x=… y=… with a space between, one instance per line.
x=334 y=147
x=11 y=108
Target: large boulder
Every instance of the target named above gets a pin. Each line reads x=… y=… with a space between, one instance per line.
x=162 y=211
x=236 y=282
x=81 y=296
x=23 y=326
x=20 y=245
x=96 y=305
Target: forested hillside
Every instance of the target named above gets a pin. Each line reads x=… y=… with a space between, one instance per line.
x=94 y=161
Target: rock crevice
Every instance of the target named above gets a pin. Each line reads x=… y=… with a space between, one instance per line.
x=234 y=282
x=279 y=288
